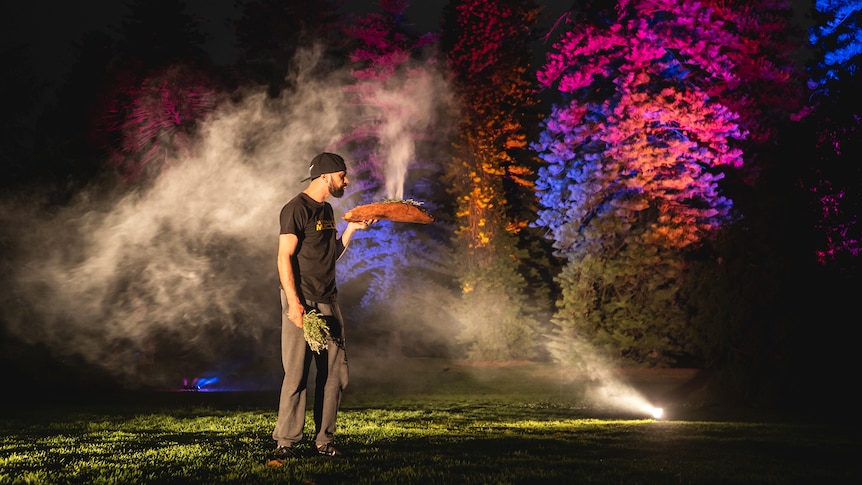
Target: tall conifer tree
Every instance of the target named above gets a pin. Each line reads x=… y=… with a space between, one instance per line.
x=270 y=32
x=837 y=119
x=486 y=44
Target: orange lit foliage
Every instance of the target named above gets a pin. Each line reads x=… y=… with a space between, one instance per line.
x=494 y=90
x=485 y=41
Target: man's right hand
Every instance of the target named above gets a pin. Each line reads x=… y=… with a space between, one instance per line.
x=295 y=312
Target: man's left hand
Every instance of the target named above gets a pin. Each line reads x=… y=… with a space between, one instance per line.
x=364 y=224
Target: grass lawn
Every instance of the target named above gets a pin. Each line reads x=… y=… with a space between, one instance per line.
x=427 y=421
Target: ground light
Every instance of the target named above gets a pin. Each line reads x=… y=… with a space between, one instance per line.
x=622 y=396
x=198 y=383
x=655 y=412
x=638 y=404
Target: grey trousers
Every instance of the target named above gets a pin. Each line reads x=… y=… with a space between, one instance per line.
x=331 y=366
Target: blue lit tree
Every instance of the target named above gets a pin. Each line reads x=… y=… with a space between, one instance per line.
x=838 y=37
x=395 y=154
x=837 y=116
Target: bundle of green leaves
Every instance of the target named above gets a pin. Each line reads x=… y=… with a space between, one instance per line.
x=403 y=201
x=316 y=330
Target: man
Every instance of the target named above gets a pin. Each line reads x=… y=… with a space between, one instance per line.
x=308 y=248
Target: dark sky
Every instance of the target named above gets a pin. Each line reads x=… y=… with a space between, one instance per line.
x=50 y=27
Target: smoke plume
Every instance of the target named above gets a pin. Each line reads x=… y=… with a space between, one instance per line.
x=177 y=280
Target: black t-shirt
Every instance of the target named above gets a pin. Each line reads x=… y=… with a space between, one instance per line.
x=318 y=247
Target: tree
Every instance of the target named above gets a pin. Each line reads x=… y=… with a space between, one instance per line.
x=486 y=43
x=632 y=169
x=17 y=127
x=826 y=149
x=747 y=288
x=160 y=121
x=271 y=32
x=766 y=89
x=162 y=85
x=836 y=118
x=401 y=98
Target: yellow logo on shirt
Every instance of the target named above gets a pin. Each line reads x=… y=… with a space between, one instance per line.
x=324 y=225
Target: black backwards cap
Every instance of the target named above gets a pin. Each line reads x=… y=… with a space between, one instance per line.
x=325 y=163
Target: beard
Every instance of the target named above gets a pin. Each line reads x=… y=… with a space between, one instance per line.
x=336 y=191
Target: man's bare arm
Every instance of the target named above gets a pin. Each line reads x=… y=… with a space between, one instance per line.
x=287 y=244
x=353 y=227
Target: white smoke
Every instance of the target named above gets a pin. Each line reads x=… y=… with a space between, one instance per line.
x=167 y=282
x=408 y=110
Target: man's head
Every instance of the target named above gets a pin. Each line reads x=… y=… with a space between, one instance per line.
x=330 y=170
x=325 y=163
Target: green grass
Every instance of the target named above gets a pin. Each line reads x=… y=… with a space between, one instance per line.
x=426 y=422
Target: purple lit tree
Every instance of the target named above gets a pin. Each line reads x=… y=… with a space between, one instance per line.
x=632 y=169
x=766 y=88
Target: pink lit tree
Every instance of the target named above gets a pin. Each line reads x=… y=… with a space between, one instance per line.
x=766 y=89
x=161 y=87
x=633 y=160
x=158 y=121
